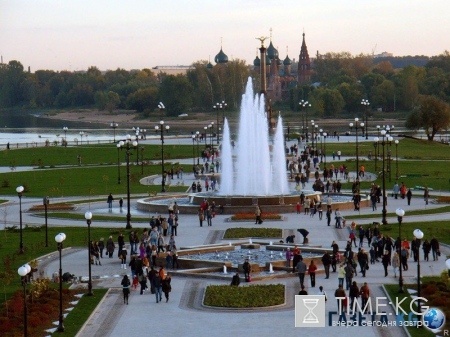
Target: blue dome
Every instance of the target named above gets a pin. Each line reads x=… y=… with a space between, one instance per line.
x=257 y=62
x=272 y=52
x=221 y=57
x=268 y=60
x=287 y=61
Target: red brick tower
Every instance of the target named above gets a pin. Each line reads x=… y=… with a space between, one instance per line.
x=304 y=65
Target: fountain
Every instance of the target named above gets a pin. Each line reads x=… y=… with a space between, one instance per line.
x=271 y=269
x=250 y=241
x=225 y=270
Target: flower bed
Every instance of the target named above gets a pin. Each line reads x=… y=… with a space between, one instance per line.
x=249 y=216
x=53 y=207
x=254 y=296
x=42 y=304
x=259 y=232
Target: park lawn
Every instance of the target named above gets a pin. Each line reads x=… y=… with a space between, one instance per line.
x=444 y=209
x=82 y=181
x=440 y=229
x=408 y=148
x=90 y=155
x=392 y=290
x=34 y=247
x=76 y=318
x=78 y=216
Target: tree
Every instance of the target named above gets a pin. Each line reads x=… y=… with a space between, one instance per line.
x=328 y=102
x=143 y=99
x=433 y=114
x=176 y=93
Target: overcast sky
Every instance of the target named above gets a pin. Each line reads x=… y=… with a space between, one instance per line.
x=130 y=34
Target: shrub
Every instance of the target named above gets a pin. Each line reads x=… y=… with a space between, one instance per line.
x=249 y=216
x=240 y=232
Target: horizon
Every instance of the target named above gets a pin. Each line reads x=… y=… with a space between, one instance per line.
x=74 y=35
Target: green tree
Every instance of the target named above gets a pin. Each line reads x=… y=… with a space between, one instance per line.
x=143 y=99
x=433 y=115
x=176 y=93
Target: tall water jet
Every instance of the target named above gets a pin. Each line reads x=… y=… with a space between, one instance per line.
x=227 y=177
x=253 y=173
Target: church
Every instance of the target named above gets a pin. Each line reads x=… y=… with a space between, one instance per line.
x=281 y=76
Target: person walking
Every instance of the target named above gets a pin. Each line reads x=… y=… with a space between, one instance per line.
x=365 y=294
x=166 y=286
x=121 y=243
x=301 y=269
x=123 y=257
x=435 y=248
x=288 y=257
x=426 y=249
x=328 y=215
x=395 y=263
x=126 y=284
x=348 y=275
x=200 y=216
x=110 y=201
x=326 y=261
x=386 y=262
x=110 y=246
x=157 y=284
x=363 y=261
x=426 y=195
x=354 y=293
x=247 y=269
x=409 y=196
x=209 y=216
x=341 y=298
x=396 y=190
x=296 y=257
x=312 y=273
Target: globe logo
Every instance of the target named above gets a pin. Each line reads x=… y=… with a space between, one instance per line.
x=434 y=318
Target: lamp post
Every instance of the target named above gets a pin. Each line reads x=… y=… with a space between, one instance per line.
x=316 y=127
x=211 y=127
x=193 y=149
x=65 y=129
x=385 y=140
x=321 y=148
x=142 y=159
x=88 y=217
x=396 y=159
x=361 y=125
x=60 y=239
x=128 y=153
x=119 y=147
x=312 y=134
x=377 y=148
x=81 y=135
x=114 y=126
x=419 y=235
x=19 y=191
x=197 y=134
x=324 y=147
x=400 y=213
x=161 y=128
x=223 y=106
x=45 y=201
x=365 y=103
x=206 y=134
x=161 y=108
x=24 y=272
x=216 y=108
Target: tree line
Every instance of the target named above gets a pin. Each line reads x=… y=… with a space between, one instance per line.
x=339 y=82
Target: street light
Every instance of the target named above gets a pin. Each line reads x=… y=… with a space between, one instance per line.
x=312 y=134
x=65 y=133
x=321 y=148
x=161 y=129
x=361 y=125
x=396 y=159
x=142 y=159
x=400 y=213
x=19 y=191
x=419 y=235
x=365 y=103
x=211 y=127
x=193 y=150
x=24 y=272
x=161 y=108
x=316 y=127
x=46 y=201
x=197 y=134
x=377 y=148
x=304 y=105
x=88 y=217
x=128 y=153
x=81 y=135
x=59 y=239
x=385 y=140
x=324 y=147
x=119 y=147
x=114 y=126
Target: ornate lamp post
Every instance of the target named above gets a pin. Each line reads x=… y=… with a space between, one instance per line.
x=377 y=148
x=128 y=153
x=304 y=105
x=316 y=134
x=365 y=103
x=211 y=127
x=81 y=135
x=385 y=140
x=223 y=106
x=321 y=148
x=361 y=125
x=197 y=134
x=161 y=128
x=324 y=147
x=396 y=159
x=19 y=191
x=193 y=149
x=142 y=159
x=24 y=272
x=206 y=134
x=419 y=235
x=65 y=129
x=312 y=133
x=119 y=147
x=60 y=239
x=45 y=201
x=114 y=126
x=400 y=213
x=88 y=217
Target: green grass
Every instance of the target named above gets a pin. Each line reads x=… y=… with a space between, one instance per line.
x=34 y=246
x=253 y=296
x=407 y=149
x=392 y=290
x=76 y=318
x=440 y=229
x=439 y=210
x=77 y=216
x=236 y=233
x=90 y=155
x=81 y=181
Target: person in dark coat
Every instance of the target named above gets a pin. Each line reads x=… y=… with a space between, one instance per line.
x=236 y=280
x=125 y=288
x=247 y=269
x=166 y=287
x=110 y=246
x=101 y=246
x=121 y=242
x=151 y=275
x=157 y=283
x=386 y=262
x=326 y=261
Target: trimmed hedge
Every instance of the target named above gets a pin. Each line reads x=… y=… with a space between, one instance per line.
x=240 y=232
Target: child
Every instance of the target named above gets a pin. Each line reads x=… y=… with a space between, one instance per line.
x=135 y=282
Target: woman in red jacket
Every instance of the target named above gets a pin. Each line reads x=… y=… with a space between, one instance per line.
x=312 y=273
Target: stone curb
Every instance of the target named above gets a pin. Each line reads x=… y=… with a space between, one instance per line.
x=405 y=329
x=93 y=313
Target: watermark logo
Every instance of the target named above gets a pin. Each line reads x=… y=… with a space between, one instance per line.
x=310 y=311
x=434 y=319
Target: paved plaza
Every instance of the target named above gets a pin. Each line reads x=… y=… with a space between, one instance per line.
x=184 y=314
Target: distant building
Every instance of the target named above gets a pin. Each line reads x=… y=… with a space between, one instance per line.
x=171 y=70
x=384 y=54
